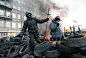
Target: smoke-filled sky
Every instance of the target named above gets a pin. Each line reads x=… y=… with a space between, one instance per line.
x=76 y=11
x=68 y=10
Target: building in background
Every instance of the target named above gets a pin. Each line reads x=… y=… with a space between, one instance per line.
x=12 y=16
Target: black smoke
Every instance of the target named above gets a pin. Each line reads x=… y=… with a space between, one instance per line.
x=45 y=4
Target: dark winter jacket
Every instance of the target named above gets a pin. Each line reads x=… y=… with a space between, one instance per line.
x=31 y=25
x=55 y=30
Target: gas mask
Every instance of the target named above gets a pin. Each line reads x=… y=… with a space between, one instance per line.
x=67 y=34
x=29 y=16
x=57 y=21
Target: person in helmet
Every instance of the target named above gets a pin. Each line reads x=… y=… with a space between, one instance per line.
x=54 y=27
x=31 y=24
x=68 y=33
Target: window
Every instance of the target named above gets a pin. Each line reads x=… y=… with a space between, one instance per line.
x=14 y=6
x=18 y=1
x=8 y=14
x=2 y=2
x=14 y=0
x=13 y=15
x=24 y=10
x=8 y=5
x=8 y=24
x=18 y=8
x=19 y=16
x=24 y=17
x=13 y=24
x=1 y=23
x=19 y=25
x=1 y=12
x=24 y=3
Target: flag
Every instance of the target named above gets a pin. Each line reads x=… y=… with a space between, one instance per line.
x=75 y=21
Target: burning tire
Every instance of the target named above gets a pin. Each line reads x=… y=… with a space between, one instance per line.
x=62 y=48
x=25 y=49
x=75 y=41
x=53 y=52
x=43 y=46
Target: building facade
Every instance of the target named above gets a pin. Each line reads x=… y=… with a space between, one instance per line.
x=12 y=15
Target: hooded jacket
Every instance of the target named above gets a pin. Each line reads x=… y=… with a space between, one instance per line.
x=55 y=30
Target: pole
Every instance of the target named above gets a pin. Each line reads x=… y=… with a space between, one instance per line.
x=47 y=22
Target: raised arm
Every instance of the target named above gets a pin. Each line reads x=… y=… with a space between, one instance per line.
x=42 y=21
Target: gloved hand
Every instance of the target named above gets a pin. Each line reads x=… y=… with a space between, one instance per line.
x=47 y=18
x=18 y=36
x=57 y=24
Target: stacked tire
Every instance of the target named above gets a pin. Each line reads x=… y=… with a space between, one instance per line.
x=46 y=49
x=77 y=44
x=15 y=41
x=70 y=47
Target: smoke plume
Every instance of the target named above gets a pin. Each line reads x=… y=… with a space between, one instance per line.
x=45 y=4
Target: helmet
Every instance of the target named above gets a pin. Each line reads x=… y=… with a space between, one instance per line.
x=27 y=13
x=57 y=18
x=68 y=30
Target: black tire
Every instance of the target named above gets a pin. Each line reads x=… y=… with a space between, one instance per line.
x=43 y=57
x=0 y=45
x=4 y=51
x=18 y=57
x=1 y=55
x=15 y=39
x=43 y=46
x=0 y=50
x=38 y=54
x=7 y=51
x=53 y=52
x=78 y=56
x=35 y=43
x=64 y=55
x=28 y=56
x=14 y=54
x=82 y=50
x=62 y=48
x=15 y=43
x=2 y=40
x=7 y=47
x=75 y=41
x=53 y=44
x=25 y=49
x=12 y=49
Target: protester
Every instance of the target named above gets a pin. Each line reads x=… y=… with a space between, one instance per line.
x=43 y=38
x=31 y=24
x=54 y=27
x=68 y=33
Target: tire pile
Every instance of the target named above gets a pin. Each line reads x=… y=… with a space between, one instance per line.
x=70 y=47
